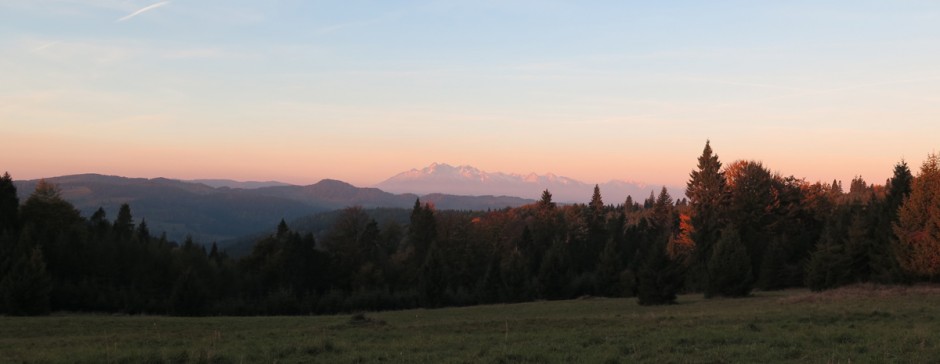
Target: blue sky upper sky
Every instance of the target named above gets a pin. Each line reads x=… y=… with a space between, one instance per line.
x=360 y=90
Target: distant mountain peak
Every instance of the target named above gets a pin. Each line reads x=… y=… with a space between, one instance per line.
x=468 y=180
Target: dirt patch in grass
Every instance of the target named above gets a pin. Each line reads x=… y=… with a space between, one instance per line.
x=360 y=319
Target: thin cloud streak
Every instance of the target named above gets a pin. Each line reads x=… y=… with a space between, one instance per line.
x=143 y=10
x=43 y=47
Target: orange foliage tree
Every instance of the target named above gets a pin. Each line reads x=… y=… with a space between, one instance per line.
x=918 y=226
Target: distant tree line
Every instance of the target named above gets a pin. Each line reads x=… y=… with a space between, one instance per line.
x=740 y=227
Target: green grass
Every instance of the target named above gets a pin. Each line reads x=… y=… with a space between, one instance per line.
x=857 y=325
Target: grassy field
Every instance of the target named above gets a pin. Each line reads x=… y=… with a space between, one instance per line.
x=858 y=324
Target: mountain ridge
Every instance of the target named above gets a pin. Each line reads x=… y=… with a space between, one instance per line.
x=471 y=181
x=206 y=213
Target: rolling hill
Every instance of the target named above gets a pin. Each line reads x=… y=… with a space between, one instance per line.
x=208 y=213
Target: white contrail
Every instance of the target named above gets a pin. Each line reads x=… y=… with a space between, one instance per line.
x=144 y=10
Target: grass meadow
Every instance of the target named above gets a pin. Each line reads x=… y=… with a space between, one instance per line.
x=859 y=324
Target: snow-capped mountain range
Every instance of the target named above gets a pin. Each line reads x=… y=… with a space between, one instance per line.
x=467 y=180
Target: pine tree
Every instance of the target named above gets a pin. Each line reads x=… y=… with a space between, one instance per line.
x=836 y=189
x=705 y=190
x=282 y=229
x=124 y=223
x=143 y=232
x=899 y=187
x=514 y=273
x=609 y=269
x=659 y=278
x=650 y=201
x=663 y=208
x=829 y=266
x=9 y=204
x=545 y=203
x=729 y=269
x=597 y=204
x=422 y=231
x=554 y=270
x=885 y=267
x=629 y=206
x=25 y=285
x=189 y=297
x=433 y=281
x=860 y=249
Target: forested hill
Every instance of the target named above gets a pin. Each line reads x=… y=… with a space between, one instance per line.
x=741 y=227
x=219 y=213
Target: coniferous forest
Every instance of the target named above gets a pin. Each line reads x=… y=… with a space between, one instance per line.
x=739 y=227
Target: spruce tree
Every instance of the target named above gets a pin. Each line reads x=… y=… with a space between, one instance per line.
x=189 y=296
x=829 y=266
x=659 y=278
x=432 y=280
x=546 y=201
x=124 y=223
x=597 y=204
x=705 y=190
x=609 y=269
x=885 y=267
x=729 y=269
x=422 y=231
x=9 y=204
x=663 y=208
x=899 y=187
x=25 y=285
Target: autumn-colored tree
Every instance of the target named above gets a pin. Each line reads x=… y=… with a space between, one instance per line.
x=681 y=245
x=918 y=226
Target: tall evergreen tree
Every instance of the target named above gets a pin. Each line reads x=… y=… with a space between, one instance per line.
x=597 y=204
x=9 y=204
x=422 y=231
x=124 y=223
x=885 y=268
x=899 y=187
x=545 y=202
x=706 y=191
x=663 y=209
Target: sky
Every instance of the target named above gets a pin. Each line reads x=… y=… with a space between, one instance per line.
x=298 y=91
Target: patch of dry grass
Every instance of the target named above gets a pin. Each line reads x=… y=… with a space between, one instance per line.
x=863 y=291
